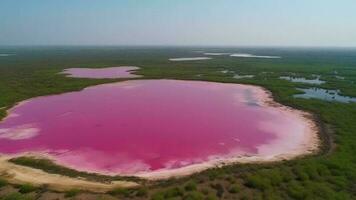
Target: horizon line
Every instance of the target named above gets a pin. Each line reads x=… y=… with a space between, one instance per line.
x=177 y=45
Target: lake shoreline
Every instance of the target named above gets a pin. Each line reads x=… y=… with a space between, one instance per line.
x=312 y=146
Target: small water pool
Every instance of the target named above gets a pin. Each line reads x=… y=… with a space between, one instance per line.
x=323 y=94
x=315 y=81
x=100 y=73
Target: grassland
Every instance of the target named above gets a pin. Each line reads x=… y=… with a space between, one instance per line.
x=33 y=71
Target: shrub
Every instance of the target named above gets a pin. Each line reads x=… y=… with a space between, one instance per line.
x=27 y=188
x=2 y=183
x=231 y=179
x=205 y=191
x=141 y=192
x=219 y=189
x=190 y=186
x=296 y=191
x=255 y=181
x=194 y=196
x=15 y=196
x=158 y=196
x=211 y=197
x=120 y=191
x=173 y=192
x=234 y=189
x=72 y=193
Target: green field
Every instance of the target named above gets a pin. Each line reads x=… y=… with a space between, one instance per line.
x=33 y=71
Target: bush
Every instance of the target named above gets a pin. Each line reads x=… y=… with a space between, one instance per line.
x=120 y=191
x=15 y=196
x=190 y=186
x=231 y=179
x=173 y=192
x=205 y=191
x=234 y=189
x=194 y=196
x=210 y=197
x=141 y=192
x=219 y=189
x=296 y=191
x=158 y=196
x=72 y=193
x=27 y=188
x=2 y=183
x=257 y=182
x=169 y=193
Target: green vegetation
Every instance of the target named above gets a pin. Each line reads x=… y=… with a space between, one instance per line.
x=234 y=189
x=120 y=191
x=72 y=193
x=15 y=196
x=190 y=186
x=331 y=174
x=26 y=188
x=142 y=192
x=194 y=196
x=2 y=182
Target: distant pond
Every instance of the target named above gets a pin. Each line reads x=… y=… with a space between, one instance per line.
x=323 y=94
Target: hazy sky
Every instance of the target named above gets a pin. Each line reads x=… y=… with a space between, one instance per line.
x=178 y=22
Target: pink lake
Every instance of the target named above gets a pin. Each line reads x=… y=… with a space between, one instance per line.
x=109 y=72
x=144 y=126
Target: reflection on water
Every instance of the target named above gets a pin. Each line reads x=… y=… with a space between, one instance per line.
x=316 y=81
x=323 y=94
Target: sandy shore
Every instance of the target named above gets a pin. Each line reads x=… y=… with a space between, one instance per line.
x=310 y=145
x=311 y=142
x=17 y=174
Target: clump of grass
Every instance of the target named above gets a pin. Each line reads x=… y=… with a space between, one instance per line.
x=211 y=197
x=157 y=196
x=234 y=189
x=190 y=186
x=120 y=191
x=173 y=192
x=141 y=192
x=258 y=182
x=194 y=195
x=205 y=191
x=231 y=179
x=72 y=193
x=15 y=196
x=219 y=189
x=3 y=183
x=26 y=188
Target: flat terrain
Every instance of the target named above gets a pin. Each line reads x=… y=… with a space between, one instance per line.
x=33 y=71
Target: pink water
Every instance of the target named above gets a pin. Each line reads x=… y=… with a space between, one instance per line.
x=111 y=72
x=146 y=125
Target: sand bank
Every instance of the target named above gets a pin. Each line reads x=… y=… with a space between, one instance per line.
x=17 y=174
x=310 y=145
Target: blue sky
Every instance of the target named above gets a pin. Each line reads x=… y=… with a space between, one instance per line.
x=178 y=22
